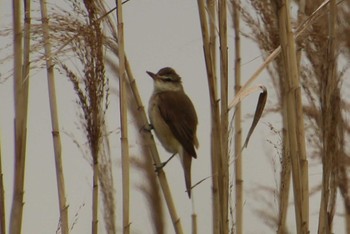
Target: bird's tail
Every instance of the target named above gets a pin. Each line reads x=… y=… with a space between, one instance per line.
x=187 y=160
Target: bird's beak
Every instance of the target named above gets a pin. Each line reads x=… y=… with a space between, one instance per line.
x=151 y=74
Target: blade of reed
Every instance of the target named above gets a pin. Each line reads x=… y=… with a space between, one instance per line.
x=63 y=208
x=258 y=113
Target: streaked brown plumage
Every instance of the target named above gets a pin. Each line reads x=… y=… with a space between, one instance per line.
x=174 y=118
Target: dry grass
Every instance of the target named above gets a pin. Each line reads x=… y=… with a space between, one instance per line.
x=92 y=90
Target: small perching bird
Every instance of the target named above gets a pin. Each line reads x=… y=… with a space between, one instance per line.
x=174 y=118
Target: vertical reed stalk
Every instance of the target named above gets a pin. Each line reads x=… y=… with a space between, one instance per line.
x=150 y=144
x=211 y=10
x=329 y=128
x=295 y=120
x=2 y=198
x=95 y=187
x=215 y=119
x=222 y=12
x=238 y=123
x=91 y=99
x=123 y=120
x=286 y=163
x=301 y=138
x=20 y=123
x=54 y=121
x=284 y=186
x=301 y=17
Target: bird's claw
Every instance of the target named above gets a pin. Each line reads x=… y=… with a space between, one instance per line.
x=147 y=128
x=159 y=166
x=162 y=164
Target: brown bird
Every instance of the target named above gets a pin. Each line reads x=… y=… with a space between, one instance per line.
x=174 y=118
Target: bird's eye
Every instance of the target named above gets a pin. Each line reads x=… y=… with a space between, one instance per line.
x=168 y=80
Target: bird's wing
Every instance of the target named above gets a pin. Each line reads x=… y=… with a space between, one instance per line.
x=179 y=113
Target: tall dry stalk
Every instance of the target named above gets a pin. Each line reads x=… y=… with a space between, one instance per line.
x=284 y=185
x=21 y=82
x=222 y=15
x=63 y=207
x=91 y=87
x=285 y=174
x=330 y=132
x=215 y=118
x=107 y=185
x=123 y=121
x=295 y=127
x=92 y=102
x=237 y=124
x=105 y=176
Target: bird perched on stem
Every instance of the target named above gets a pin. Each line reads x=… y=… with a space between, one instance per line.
x=174 y=119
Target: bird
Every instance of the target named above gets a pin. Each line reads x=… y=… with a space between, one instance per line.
x=174 y=119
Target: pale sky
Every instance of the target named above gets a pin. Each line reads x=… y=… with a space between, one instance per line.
x=157 y=34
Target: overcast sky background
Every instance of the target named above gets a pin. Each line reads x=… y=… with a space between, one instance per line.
x=157 y=34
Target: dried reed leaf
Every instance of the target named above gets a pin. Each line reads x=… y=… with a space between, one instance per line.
x=258 y=113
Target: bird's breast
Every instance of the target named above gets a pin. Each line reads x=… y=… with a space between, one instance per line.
x=161 y=128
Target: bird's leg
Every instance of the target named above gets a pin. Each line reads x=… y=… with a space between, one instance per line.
x=162 y=164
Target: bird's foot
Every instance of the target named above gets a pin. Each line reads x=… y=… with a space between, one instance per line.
x=147 y=127
x=159 y=166
x=162 y=164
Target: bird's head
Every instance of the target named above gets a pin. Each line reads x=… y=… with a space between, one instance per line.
x=166 y=79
